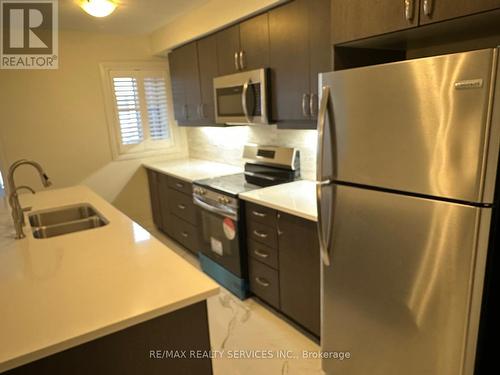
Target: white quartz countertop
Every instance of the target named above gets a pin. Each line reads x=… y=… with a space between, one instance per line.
x=296 y=198
x=60 y=292
x=193 y=169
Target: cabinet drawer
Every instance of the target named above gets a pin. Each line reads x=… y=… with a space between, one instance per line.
x=182 y=206
x=185 y=233
x=263 y=253
x=260 y=214
x=180 y=185
x=262 y=233
x=264 y=282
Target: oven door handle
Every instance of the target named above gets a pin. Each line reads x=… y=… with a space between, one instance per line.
x=244 y=101
x=213 y=209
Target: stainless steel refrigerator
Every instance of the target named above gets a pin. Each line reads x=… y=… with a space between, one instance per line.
x=407 y=168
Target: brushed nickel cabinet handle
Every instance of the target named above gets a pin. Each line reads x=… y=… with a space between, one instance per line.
x=428 y=7
x=242 y=60
x=179 y=185
x=260 y=254
x=258 y=214
x=409 y=10
x=260 y=234
x=184 y=234
x=185 y=111
x=262 y=282
x=305 y=105
x=236 y=64
x=313 y=105
x=181 y=206
x=200 y=111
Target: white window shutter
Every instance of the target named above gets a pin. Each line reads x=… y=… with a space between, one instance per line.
x=128 y=110
x=156 y=102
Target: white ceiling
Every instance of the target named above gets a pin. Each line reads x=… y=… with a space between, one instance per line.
x=130 y=17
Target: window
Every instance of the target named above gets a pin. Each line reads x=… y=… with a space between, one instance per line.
x=139 y=115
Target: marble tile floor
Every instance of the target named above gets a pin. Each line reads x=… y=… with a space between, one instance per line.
x=251 y=327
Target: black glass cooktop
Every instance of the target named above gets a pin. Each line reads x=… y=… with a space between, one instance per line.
x=232 y=184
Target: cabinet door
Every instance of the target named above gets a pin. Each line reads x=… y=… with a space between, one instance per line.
x=178 y=90
x=192 y=81
x=186 y=83
x=299 y=271
x=289 y=60
x=254 y=37
x=164 y=198
x=439 y=10
x=154 y=194
x=356 y=19
x=228 y=44
x=320 y=50
x=207 y=62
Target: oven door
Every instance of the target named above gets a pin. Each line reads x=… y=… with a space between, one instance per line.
x=241 y=98
x=220 y=237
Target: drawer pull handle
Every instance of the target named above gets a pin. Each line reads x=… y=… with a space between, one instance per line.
x=259 y=214
x=262 y=282
x=184 y=234
x=260 y=254
x=260 y=234
x=179 y=185
x=181 y=206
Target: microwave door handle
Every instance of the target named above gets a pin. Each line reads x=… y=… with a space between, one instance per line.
x=244 y=101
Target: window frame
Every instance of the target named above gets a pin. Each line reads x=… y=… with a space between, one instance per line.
x=148 y=147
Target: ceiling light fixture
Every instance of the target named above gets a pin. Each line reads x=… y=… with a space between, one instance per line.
x=98 y=8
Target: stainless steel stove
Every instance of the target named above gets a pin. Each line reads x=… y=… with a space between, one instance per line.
x=223 y=252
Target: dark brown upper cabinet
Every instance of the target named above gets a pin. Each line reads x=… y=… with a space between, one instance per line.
x=254 y=43
x=357 y=19
x=207 y=63
x=440 y=10
x=185 y=83
x=299 y=50
x=228 y=50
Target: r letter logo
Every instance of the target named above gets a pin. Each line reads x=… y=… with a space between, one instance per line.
x=29 y=37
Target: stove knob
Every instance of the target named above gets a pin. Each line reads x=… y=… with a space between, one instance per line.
x=203 y=191
x=226 y=200
x=220 y=200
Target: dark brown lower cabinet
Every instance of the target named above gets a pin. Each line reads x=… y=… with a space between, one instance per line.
x=140 y=349
x=155 y=197
x=172 y=203
x=299 y=265
x=284 y=264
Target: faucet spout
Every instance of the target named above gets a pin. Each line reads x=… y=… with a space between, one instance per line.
x=17 y=210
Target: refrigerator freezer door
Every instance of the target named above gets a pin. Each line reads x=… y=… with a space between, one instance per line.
x=418 y=126
x=403 y=291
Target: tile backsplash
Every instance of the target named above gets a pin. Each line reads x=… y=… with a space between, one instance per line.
x=226 y=144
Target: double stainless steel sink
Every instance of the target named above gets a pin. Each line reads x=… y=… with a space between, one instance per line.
x=64 y=220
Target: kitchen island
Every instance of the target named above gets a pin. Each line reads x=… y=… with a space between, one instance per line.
x=106 y=300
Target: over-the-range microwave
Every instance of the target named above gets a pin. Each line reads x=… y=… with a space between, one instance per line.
x=242 y=98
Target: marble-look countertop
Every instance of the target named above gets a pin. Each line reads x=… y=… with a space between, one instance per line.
x=296 y=198
x=192 y=169
x=63 y=291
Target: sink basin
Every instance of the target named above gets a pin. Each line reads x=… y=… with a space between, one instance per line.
x=64 y=220
x=62 y=215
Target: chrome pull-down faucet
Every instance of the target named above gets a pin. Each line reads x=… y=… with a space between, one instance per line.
x=17 y=210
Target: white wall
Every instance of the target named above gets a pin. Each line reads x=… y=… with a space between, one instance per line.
x=205 y=19
x=226 y=144
x=57 y=117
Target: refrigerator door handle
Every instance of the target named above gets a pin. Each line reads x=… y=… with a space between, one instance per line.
x=324 y=238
